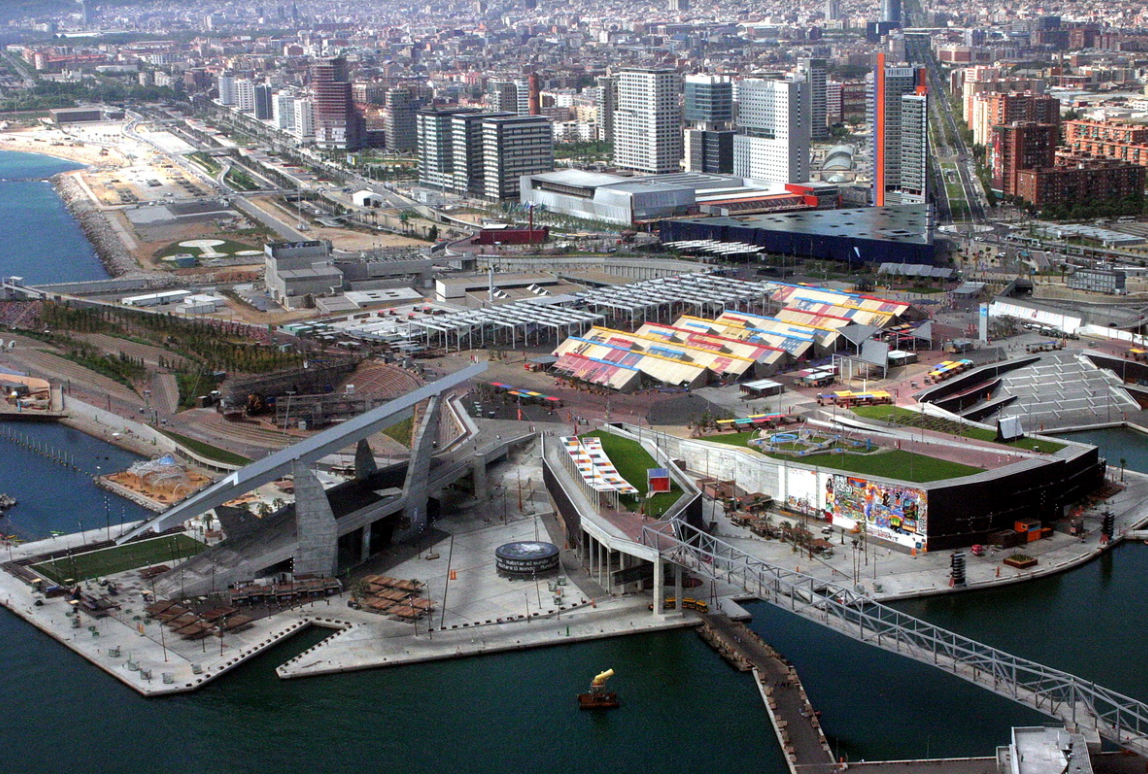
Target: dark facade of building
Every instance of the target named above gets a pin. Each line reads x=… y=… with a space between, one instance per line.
x=1075 y=180
x=709 y=150
x=969 y=510
x=1024 y=145
x=262 y=104
x=899 y=234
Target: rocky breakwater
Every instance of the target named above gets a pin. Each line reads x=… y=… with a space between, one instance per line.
x=109 y=247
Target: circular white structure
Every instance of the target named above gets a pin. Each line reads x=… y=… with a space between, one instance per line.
x=205 y=246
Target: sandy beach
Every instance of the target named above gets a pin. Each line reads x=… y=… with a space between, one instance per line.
x=55 y=142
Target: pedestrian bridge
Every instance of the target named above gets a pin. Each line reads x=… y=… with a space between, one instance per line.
x=1078 y=703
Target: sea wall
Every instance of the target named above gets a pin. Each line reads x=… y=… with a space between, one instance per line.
x=110 y=249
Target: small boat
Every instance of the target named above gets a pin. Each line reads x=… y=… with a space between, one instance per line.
x=599 y=697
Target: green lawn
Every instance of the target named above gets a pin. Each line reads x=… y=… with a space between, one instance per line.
x=229 y=248
x=402 y=431
x=894 y=463
x=239 y=179
x=904 y=416
x=109 y=561
x=206 y=161
x=632 y=462
x=206 y=449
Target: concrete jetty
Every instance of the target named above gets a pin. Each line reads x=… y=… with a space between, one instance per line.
x=369 y=645
x=794 y=720
x=129 y=646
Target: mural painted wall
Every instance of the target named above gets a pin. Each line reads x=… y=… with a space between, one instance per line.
x=890 y=512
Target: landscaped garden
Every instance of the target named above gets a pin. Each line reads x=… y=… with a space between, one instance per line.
x=904 y=416
x=168 y=549
x=632 y=461
x=878 y=461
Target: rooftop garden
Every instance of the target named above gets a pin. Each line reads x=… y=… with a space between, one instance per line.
x=903 y=416
x=632 y=461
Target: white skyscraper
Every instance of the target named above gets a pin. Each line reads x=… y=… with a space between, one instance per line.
x=304 y=119
x=244 y=95
x=648 y=120
x=283 y=111
x=773 y=117
x=226 y=89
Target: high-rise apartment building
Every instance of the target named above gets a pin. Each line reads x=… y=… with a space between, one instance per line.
x=283 y=111
x=647 y=120
x=513 y=146
x=481 y=154
x=607 y=102
x=226 y=86
x=399 y=120
x=1080 y=181
x=468 y=167
x=1017 y=146
x=708 y=138
x=832 y=10
x=304 y=128
x=899 y=115
x=435 y=142
x=244 y=95
x=773 y=140
x=816 y=74
x=991 y=110
x=1108 y=139
x=834 y=103
x=338 y=124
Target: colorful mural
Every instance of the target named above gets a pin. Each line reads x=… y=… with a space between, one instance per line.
x=890 y=512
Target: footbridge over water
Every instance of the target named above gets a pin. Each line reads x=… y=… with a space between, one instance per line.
x=1080 y=704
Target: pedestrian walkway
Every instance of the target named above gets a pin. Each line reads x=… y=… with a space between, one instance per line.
x=794 y=720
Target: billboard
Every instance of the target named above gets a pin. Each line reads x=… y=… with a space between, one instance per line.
x=888 y=511
x=802 y=493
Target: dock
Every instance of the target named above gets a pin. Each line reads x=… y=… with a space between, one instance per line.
x=794 y=720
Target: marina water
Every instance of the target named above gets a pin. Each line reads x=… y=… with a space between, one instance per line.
x=684 y=709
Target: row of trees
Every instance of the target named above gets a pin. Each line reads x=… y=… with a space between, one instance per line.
x=212 y=344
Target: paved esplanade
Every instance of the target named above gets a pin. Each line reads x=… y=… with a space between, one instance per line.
x=282 y=462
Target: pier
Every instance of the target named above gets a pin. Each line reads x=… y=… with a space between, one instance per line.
x=794 y=720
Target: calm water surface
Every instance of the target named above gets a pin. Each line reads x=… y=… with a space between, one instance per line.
x=39 y=239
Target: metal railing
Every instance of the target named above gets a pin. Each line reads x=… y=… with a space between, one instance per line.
x=1073 y=700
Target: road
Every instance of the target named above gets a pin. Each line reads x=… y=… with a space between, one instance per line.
x=958 y=153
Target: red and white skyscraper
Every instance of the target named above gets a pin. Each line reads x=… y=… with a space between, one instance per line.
x=899 y=116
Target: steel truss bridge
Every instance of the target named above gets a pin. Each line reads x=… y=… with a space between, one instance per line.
x=1078 y=703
